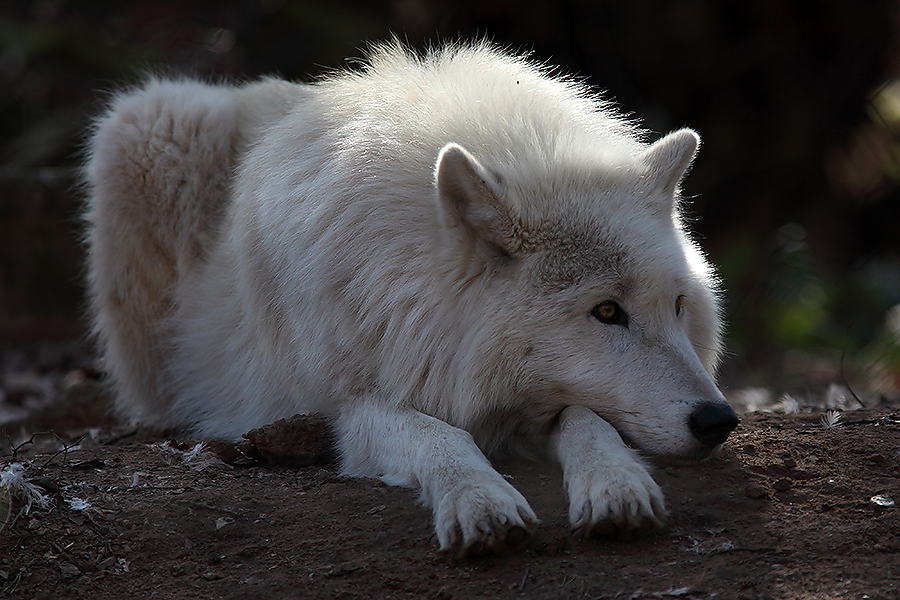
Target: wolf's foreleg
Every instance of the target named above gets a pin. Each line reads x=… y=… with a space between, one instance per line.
x=610 y=488
x=475 y=508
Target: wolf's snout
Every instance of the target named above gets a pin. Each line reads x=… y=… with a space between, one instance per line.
x=711 y=423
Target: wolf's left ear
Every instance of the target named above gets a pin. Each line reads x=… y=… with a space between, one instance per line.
x=471 y=204
x=669 y=159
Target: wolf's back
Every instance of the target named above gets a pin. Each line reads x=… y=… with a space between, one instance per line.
x=158 y=169
x=157 y=177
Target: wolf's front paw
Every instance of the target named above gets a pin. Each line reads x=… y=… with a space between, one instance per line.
x=475 y=517
x=615 y=500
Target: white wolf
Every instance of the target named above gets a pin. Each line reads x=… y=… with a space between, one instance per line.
x=449 y=254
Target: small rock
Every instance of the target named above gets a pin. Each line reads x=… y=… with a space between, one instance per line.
x=444 y=594
x=755 y=491
x=301 y=441
x=213 y=575
x=68 y=570
x=782 y=485
x=875 y=459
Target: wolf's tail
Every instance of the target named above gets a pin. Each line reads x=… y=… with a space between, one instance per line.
x=157 y=175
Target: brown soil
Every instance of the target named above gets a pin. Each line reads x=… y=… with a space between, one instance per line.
x=786 y=511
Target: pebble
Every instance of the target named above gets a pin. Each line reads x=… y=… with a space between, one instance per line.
x=68 y=570
x=754 y=490
x=782 y=485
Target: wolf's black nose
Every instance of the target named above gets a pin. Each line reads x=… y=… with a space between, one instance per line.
x=711 y=423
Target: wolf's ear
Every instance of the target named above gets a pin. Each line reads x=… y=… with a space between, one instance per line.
x=669 y=159
x=470 y=204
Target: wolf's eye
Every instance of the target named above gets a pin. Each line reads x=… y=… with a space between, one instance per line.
x=610 y=312
x=679 y=305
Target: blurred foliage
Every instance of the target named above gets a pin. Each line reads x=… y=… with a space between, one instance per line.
x=794 y=193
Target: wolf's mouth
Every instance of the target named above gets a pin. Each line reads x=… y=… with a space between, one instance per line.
x=689 y=458
x=698 y=453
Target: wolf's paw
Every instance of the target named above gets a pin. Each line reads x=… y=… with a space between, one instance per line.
x=615 y=501
x=482 y=516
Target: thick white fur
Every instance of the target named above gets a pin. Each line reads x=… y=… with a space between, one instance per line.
x=414 y=249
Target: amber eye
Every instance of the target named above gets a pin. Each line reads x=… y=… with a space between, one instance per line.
x=679 y=305
x=610 y=312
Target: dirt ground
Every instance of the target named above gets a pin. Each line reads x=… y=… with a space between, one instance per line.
x=796 y=506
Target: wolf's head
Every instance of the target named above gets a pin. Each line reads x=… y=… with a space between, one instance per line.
x=588 y=291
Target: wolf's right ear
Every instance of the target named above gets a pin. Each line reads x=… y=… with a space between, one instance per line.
x=470 y=204
x=669 y=159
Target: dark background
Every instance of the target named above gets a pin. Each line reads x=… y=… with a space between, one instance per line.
x=794 y=194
